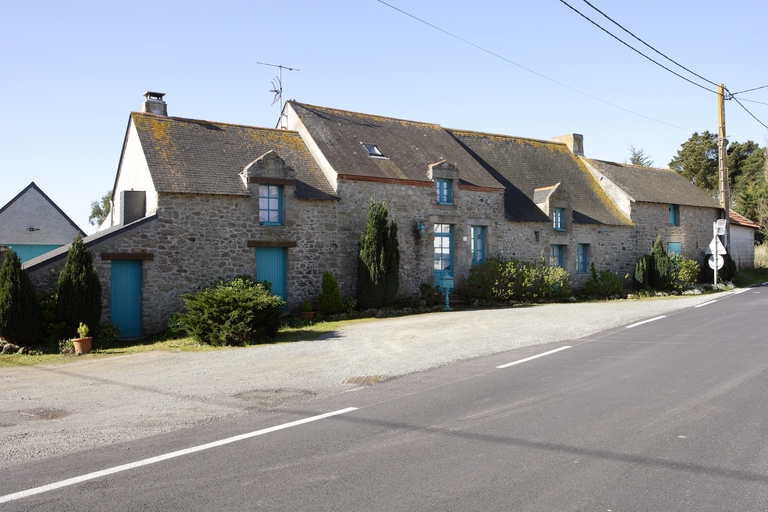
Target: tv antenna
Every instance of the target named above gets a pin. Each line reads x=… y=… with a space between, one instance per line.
x=277 y=82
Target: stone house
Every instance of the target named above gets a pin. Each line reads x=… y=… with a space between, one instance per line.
x=742 y=240
x=196 y=201
x=32 y=224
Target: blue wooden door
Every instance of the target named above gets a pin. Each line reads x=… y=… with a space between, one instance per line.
x=126 y=297
x=270 y=266
x=443 y=252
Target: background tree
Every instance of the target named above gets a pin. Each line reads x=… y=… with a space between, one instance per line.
x=378 y=261
x=638 y=157
x=19 y=307
x=100 y=209
x=79 y=290
x=697 y=160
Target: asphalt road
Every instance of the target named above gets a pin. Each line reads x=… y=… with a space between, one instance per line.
x=668 y=414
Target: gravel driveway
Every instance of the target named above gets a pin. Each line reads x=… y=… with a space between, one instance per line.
x=51 y=409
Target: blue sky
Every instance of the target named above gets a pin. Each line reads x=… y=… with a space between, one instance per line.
x=72 y=72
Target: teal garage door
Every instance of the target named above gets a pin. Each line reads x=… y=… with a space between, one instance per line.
x=270 y=266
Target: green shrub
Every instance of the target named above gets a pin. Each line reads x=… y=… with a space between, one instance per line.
x=78 y=297
x=348 y=304
x=20 y=316
x=658 y=269
x=640 y=277
x=661 y=271
x=498 y=279
x=605 y=284
x=236 y=313
x=378 y=260
x=683 y=273
x=726 y=273
x=329 y=301
x=431 y=295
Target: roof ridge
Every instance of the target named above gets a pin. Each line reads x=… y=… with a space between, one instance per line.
x=376 y=116
x=189 y=119
x=514 y=137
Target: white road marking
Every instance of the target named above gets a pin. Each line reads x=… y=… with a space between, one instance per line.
x=705 y=303
x=532 y=357
x=742 y=290
x=645 y=321
x=160 y=458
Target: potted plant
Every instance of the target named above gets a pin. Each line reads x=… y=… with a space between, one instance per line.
x=83 y=343
x=306 y=311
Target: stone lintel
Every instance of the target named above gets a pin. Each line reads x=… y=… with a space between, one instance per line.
x=271 y=243
x=141 y=256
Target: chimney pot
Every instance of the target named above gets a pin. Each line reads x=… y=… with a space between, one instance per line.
x=574 y=141
x=154 y=104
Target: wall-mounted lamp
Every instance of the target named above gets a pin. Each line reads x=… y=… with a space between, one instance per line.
x=33 y=229
x=422 y=228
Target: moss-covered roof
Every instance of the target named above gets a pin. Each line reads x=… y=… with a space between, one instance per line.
x=524 y=165
x=204 y=157
x=408 y=147
x=652 y=185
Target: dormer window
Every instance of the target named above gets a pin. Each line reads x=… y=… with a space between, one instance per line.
x=443 y=189
x=373 y=150
x=558 y=219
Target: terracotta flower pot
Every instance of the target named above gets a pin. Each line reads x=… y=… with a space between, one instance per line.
x=82 y=345
x=308 y=315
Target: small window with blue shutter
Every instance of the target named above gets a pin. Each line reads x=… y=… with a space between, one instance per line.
x=581 y=258
x=675 y=248
x=674 y=215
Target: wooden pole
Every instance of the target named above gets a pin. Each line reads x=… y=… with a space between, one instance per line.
x=725 y=195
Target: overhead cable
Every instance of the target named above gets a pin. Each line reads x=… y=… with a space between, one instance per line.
x=527 y=69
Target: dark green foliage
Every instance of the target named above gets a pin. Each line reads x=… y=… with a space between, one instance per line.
x=78 y=297
x=100 y=209
x=658 y=270
x=727 y=273
x=640 y=277
x=240 y=312
x=498 y=279
x=19 y=308
x=430 y=294
x=683 y=273
x=605 y=284
x=378 y=261
x=638 y=157
x=329 y=301
x=697 y=160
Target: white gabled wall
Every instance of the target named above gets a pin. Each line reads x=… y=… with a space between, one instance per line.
x=32 y=220
x=132 y=174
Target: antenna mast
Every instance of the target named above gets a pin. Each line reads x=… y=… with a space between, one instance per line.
x=277 y=82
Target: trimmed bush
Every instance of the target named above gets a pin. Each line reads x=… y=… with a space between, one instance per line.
x=661 y=271
x=329 y=301
x=498 y=279
x=78 y=295
x=683 y=273
x=20 y=315
x=605 y=284
x=240 y=312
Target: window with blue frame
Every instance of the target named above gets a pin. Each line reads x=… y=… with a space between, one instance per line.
x=478 y=244
x=443 y=188
x=582 y=263
x=271 y=205
x=555 y=255
x=675 y=248
x=674 y=215
x=558 y=219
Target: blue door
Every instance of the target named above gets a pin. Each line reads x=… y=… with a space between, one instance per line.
x=270 y=266
x=443 y=252
x=126 y=297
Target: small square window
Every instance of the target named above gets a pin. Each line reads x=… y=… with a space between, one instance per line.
x=443 y=188
x=675 y=248
x=271 y=205
x=558 y=219
x=373 y=149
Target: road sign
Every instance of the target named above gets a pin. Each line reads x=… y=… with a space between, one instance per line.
x=720 y=262
x=716 y=244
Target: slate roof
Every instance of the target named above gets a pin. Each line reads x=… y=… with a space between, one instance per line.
x=652 y=185
x=203 y=157
x=409 y=147
x=44 y=196
x=524 y=165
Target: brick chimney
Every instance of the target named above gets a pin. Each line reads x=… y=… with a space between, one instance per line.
x=574 y=141
x=154 y=104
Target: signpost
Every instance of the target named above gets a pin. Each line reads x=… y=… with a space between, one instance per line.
x=716 y=247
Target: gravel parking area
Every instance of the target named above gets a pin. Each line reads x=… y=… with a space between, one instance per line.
x=47 y=410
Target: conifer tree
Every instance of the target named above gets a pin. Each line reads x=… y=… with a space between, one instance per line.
x=79 y=290
x=378 y=261
x=19 y=307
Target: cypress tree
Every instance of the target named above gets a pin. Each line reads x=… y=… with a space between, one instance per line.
x=378 y=259
x=19 y=307
x=658 y=269
x=329 y=301
x=79 y=290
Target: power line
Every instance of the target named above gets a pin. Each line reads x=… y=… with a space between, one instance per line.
x=750 y=90
x=748 y=112
x=529 y=70
x=633 y=48
x=754 y=101
x=648 y=45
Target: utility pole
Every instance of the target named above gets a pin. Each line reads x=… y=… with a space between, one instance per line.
x=725 y=196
